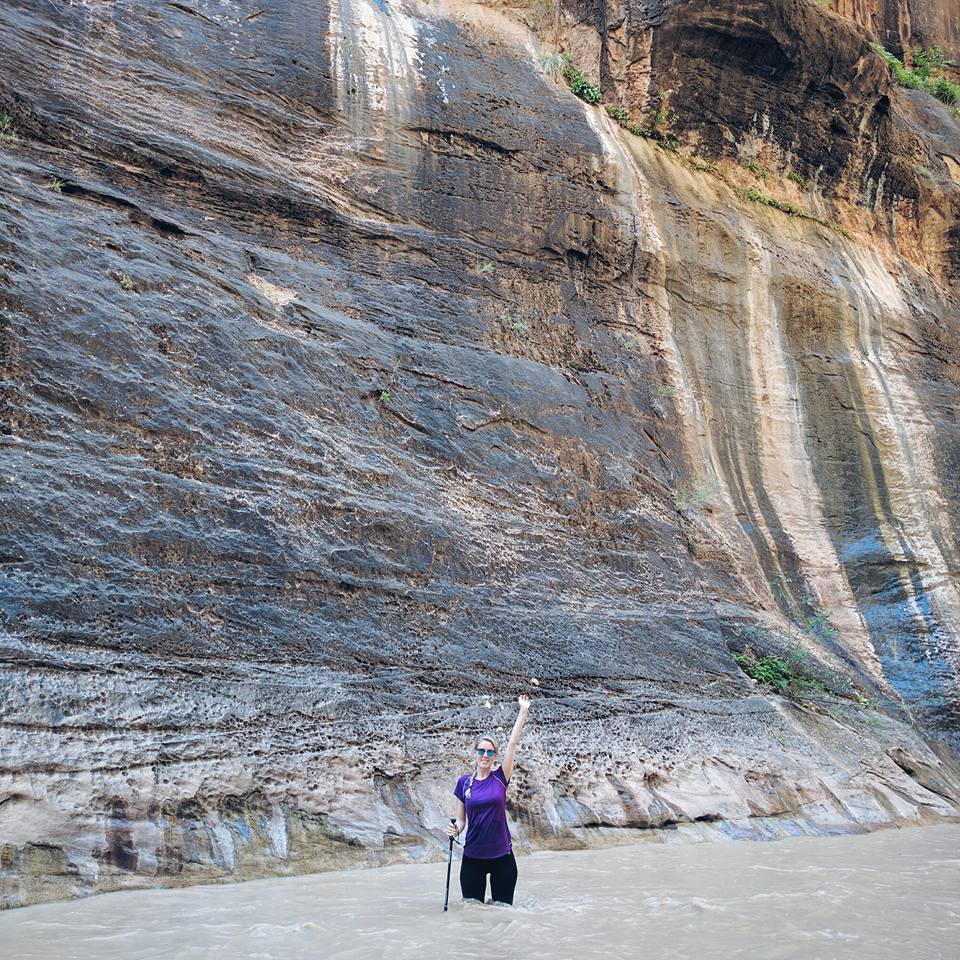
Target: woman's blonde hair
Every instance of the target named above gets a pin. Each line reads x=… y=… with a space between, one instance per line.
x=486 y=736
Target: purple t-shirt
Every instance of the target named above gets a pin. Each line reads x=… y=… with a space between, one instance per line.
x=487 y=834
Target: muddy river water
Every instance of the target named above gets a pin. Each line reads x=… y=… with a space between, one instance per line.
x=890 y=894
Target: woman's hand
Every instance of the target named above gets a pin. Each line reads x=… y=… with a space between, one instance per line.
x=524 y=702
x=454 y=828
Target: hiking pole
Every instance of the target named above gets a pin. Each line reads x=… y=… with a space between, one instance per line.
x=446 y=895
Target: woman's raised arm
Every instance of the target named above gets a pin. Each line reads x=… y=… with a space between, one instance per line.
x=511 y=751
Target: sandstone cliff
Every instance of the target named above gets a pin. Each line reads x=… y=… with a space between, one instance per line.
x=358 y=375
x=904 y=24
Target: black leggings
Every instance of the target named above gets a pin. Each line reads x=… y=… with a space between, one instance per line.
x=503 y=878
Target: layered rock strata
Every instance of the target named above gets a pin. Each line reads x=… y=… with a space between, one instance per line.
x=901 y=25
x=357 y=377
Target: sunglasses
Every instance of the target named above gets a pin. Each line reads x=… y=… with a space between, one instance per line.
x=486 y=753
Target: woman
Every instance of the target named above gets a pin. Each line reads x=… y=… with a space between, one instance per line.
x=482 y=803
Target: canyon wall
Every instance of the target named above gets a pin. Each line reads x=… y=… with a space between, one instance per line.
x=358 y=377
x=901 y=25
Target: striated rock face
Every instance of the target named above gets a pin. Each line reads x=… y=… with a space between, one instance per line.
x=356 y=375
x=901 y=25
x=795 y=89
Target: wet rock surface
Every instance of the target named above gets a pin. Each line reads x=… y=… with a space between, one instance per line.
x=355 y=375
x=901 y=25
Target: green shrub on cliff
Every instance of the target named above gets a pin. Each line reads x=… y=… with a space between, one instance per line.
x=579 y=85
x=946 y=91
x=794 y=675
x=559 y=65
x=904 y=76
x=790 y=209
x=639 y=131
x=618 y=114
x=926 y=61
x=770 y=670
x=782 y=205
x=924 y=75
x=8 y=131
x=780 y=661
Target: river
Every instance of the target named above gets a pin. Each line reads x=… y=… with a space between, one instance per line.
x=889 y=894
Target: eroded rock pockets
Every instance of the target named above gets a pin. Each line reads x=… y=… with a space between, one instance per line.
x=357 y=373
